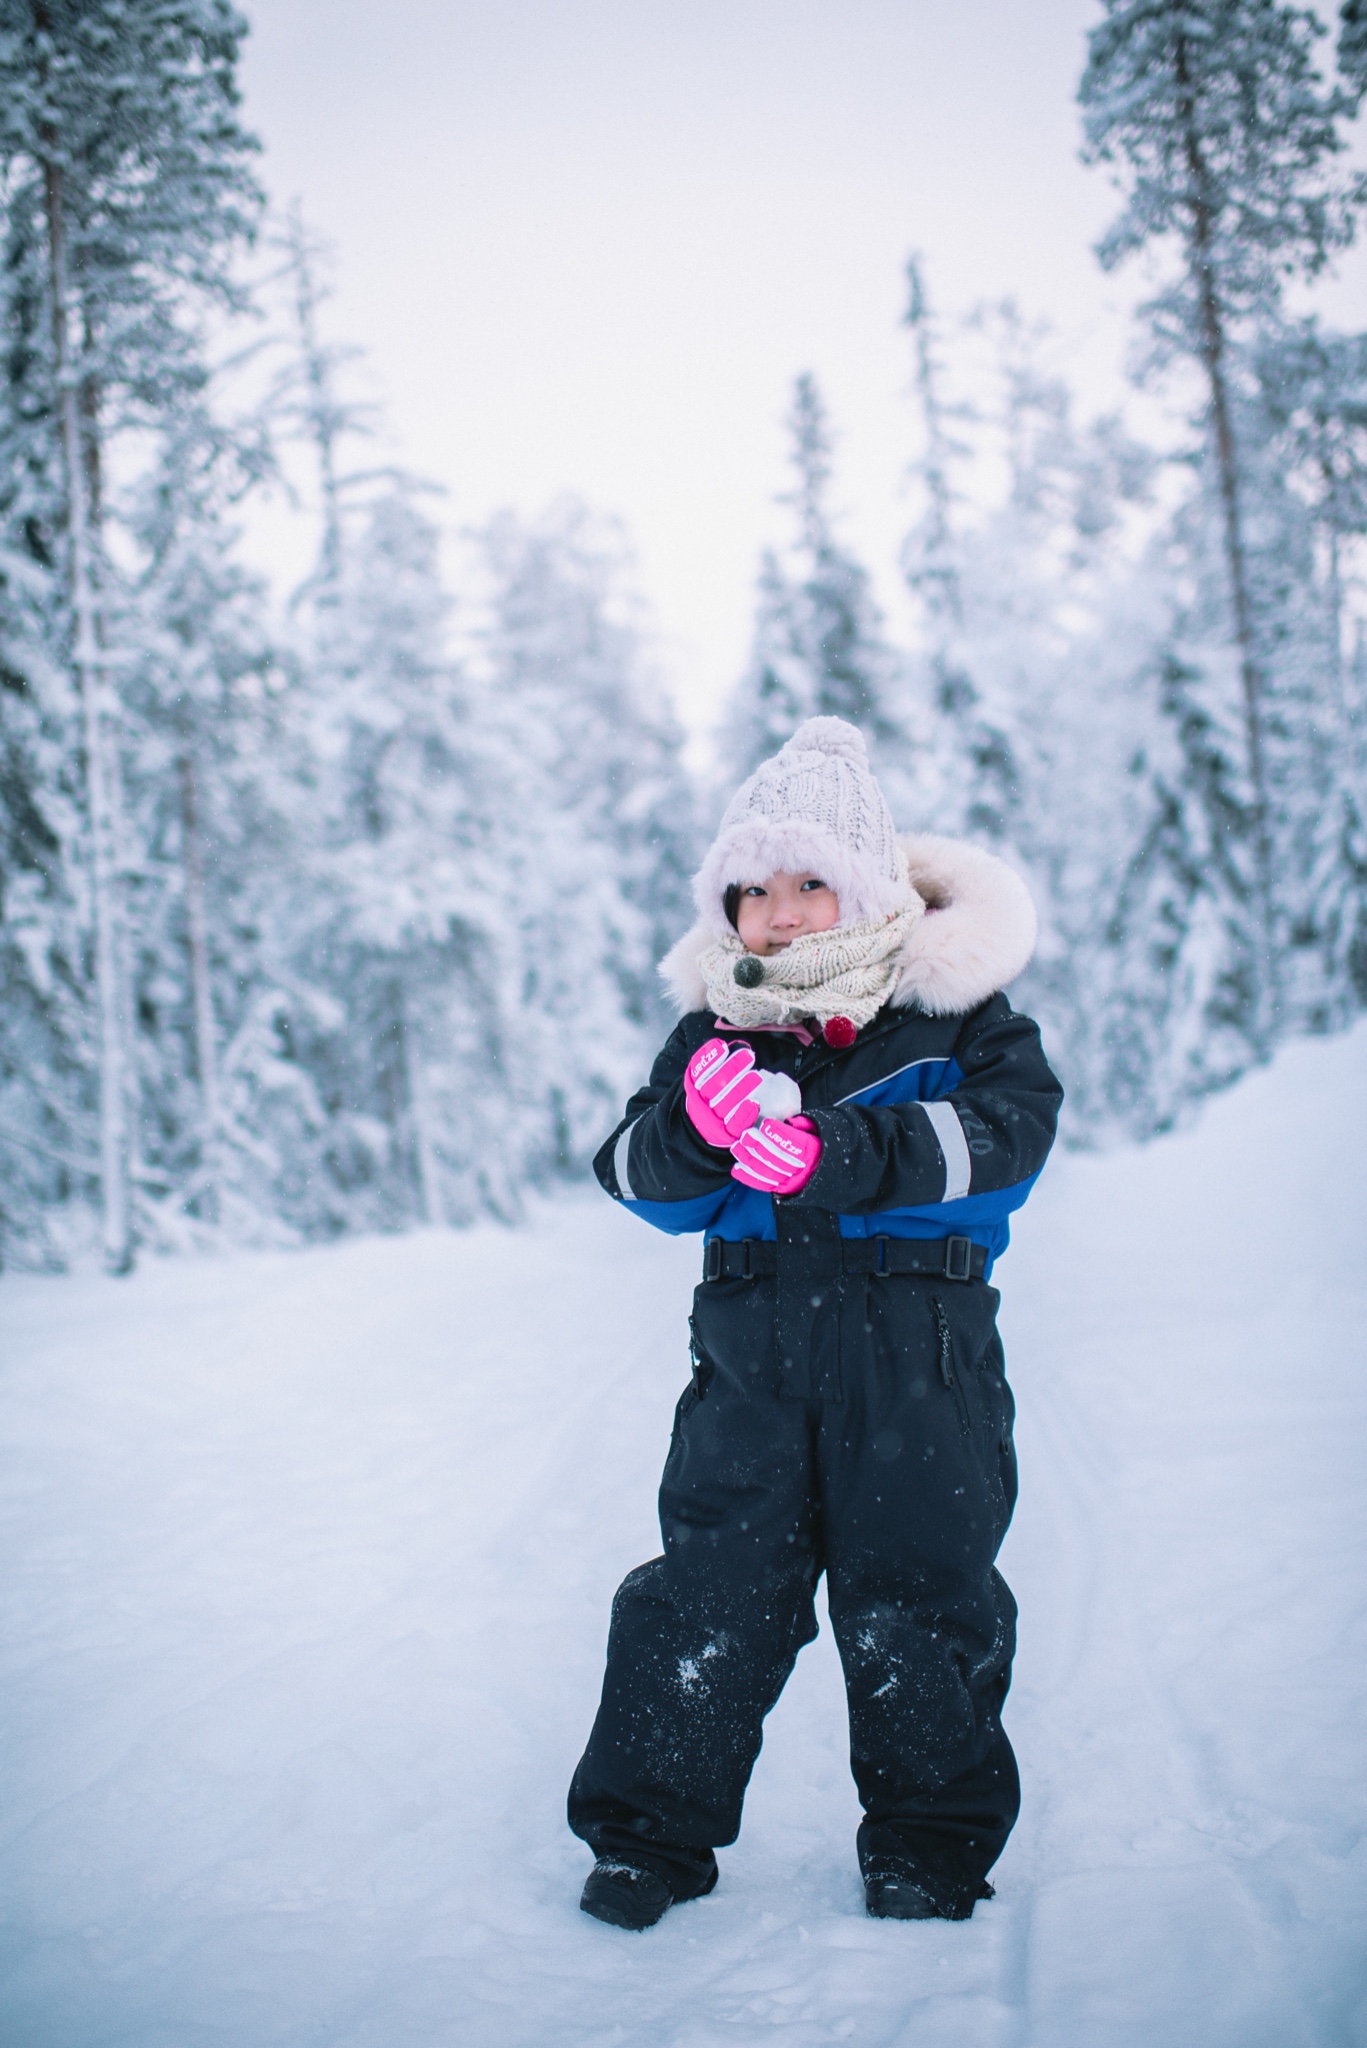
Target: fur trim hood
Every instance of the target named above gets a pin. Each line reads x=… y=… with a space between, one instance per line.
x=977 y=935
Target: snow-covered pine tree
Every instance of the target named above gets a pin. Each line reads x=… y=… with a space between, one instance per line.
x=1223 y=137
x=390 y=1004
x=48 y=1102
x=1312 y=387
x=1006 y=588
x=1352 y=45
x=1188 y=787
x=126 y=190
x=208 y=792
x=1312 y=392
x=1171 y=965
x=1026 y=564
x=965 y=757
x=592 y=827
x=410 y=919
x=930 y=560
x=307 y=402
x=570 y=639
x=819 y=645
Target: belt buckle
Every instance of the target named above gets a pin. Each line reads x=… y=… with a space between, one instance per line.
x=882 y=1245
x=958 y=1258
x=747 y=1266
x=712 y=1259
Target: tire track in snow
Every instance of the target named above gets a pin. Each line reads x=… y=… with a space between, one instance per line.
x=1055 y=1531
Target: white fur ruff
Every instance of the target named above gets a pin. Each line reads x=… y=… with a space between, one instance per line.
x=977 y=936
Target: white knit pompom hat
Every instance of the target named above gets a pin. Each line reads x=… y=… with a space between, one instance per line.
x=814 y=807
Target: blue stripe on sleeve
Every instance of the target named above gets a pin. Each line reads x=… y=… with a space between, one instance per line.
x=920 y=1081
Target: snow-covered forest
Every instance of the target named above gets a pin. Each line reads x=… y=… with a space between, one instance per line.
x=336 y=907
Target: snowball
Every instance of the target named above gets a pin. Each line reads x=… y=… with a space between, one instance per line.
x=778 y=1095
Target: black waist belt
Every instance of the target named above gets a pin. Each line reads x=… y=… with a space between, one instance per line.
x=939 y=1258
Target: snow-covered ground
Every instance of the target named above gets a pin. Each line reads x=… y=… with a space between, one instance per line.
x=308 y=1562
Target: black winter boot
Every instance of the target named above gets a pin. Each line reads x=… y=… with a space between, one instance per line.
x=625 y=1895
x=894 y=1897
x=897 y=1898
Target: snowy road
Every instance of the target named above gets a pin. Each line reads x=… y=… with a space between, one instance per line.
x=308 y=1562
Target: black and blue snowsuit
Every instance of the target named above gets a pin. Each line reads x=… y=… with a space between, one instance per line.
x=848 y=1414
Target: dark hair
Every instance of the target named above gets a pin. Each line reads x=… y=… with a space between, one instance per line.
x=730 y=903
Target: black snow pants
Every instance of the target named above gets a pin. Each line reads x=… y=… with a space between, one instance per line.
x=883 y=1458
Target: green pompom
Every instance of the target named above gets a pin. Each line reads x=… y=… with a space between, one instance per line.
x=748 y=971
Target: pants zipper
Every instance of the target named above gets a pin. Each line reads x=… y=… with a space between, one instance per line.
x=702 y=1366
x=947 y=1370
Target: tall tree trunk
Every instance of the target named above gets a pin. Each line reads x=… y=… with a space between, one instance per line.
x=1201 y=257
x=201 y=987
x=100 y=733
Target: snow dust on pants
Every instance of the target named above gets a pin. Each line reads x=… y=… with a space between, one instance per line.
x=899 y=1485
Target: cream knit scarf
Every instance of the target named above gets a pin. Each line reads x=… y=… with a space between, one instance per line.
x=847 y=972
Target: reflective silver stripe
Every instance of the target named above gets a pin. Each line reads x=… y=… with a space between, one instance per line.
x=944 y=1121
x=619 y=1163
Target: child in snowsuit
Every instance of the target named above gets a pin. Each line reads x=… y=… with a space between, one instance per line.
x=849 y=1110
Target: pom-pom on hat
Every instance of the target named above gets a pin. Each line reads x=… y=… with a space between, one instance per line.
x=815 y=808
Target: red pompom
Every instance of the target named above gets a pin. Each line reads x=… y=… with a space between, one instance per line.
x=839 y=1031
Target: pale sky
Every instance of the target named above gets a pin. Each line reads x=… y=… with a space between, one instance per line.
x=588 y=244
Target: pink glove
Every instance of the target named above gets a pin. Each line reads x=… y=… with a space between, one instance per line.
x=720 y=1085
x=778 y=1158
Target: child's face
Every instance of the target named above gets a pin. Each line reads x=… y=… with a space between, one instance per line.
x=770 y=915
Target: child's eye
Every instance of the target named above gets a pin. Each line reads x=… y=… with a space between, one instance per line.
x=754 y=890
x=813 y=884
